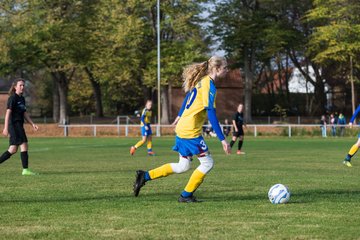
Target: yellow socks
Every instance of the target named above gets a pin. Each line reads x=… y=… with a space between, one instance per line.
x=353 y=150
x=194 y=182
x=139 y=144
x=163 y=171
x=149 y=145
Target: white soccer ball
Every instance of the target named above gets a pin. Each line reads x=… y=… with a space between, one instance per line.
x=279 y=194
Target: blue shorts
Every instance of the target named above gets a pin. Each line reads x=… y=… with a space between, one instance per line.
x=145 y=132
x=187 y=147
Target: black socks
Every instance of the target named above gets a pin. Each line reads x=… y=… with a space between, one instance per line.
x=240 y=143
x=5 y=156
x=24 y=159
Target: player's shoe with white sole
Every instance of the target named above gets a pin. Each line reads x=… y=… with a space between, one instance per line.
x=347 y=163
x=191 y=199
x=139 y=182
x=151 y=153
x=132 y=150
x=28 y=172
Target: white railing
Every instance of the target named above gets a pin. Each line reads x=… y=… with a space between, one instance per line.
x=160 y=130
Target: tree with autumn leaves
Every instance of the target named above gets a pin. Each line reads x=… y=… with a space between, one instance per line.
x=100 y=56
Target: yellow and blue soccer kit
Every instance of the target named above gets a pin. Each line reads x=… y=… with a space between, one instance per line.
x=145 y=122
x=189 y=141
x=355 y=147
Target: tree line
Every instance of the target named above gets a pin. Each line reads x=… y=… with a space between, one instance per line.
x=100 y=56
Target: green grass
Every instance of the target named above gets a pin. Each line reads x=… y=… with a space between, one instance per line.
x=85 y=192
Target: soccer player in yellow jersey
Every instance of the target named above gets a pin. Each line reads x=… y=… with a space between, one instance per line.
x=199 y=85
x=356 y=146
x=145 y=130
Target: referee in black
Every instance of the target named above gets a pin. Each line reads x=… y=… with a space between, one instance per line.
x=14 y=125
x=238 y=123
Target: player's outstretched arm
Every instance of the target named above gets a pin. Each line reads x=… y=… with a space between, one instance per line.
x=216 y=126
x=357 y=111
x=226 y=147
x=183 y=105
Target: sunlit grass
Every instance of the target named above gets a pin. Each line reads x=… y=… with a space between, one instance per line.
x=85 y=192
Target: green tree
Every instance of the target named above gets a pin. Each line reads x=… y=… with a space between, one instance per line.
x=336 y=37
x=240 y=26
x=182 y=42
x=262 y=35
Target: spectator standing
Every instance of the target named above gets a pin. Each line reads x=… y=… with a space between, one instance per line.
x=323 y=126
x=342 y=123
x=333 y=123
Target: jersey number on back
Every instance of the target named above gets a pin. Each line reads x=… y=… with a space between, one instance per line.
x=191 y=98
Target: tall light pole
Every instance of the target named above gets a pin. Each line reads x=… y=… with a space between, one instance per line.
x=158 y=63
x=352 y=85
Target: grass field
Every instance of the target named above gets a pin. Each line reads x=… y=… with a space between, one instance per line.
x=85 y=192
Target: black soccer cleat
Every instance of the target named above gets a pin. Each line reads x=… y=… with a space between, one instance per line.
x=191 y=199
x=139 y=182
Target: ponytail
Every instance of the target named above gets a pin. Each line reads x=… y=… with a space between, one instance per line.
x=193 y=73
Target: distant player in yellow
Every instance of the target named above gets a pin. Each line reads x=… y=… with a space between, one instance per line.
x=356 y=146
x=145 y=130
x=200 y=91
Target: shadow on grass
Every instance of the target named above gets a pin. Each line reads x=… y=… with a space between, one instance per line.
x=296 y=198
x=324 y=194
x=84 y=172
x=69 y=200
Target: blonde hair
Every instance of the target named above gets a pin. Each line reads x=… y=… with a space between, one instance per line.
x=13 y=85
x=193 y=73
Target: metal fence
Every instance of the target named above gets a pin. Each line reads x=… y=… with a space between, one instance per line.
x=131 y=130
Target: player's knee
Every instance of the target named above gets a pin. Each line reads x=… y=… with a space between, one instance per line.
x=182 y=166
x=12 y=150
x=207 y=163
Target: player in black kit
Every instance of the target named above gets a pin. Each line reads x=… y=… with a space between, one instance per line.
x=238 y=123
x=14 y=125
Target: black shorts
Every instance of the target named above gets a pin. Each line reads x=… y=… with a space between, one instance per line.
x=17 y=134
x=239 y=133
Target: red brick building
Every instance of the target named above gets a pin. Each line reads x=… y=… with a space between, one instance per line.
x=4 y=88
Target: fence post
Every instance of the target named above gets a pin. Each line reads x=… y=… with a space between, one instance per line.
x=94 y=130
x=299 y=119
x=269 y=120
x=66 y=133
x=118 y=125
x=126 y=130
x=255 y=131
x=158 y=130
x=289 y=131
